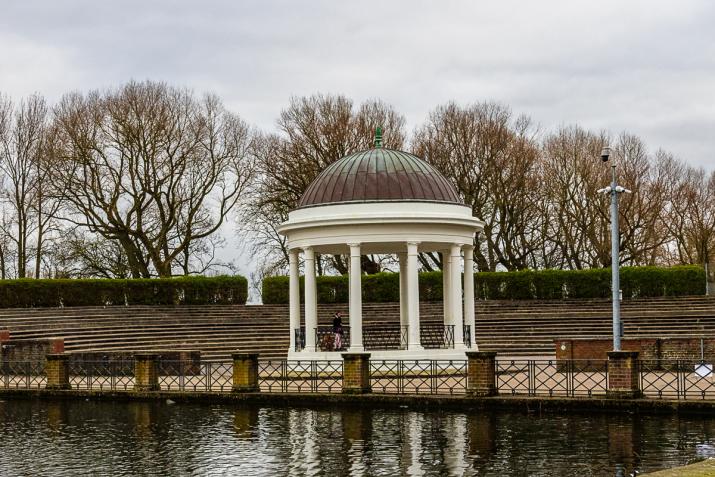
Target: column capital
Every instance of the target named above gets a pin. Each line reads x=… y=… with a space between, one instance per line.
x=456 y=250
x=354 y=248
x=412 y=248
x=308 y=251
x=468 y=248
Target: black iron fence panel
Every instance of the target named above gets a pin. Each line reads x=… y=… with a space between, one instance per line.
x=219 y=376
x=467 y=336
x=326 y=339
x=299 y=339
x=23 y=374
x=677 y=379
x=102 y=375
x=418 y=376
x=378 y=337
x=301 y=376
x=549 y=377
x=174 y=377
x=436 y=336
x=183 y=375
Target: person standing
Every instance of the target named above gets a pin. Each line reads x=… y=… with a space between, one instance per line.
x=338 y=331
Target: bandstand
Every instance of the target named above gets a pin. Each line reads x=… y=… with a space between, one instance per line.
x=383 y=201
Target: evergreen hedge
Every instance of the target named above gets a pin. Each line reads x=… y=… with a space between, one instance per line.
x=636 y=282
x=28 y=293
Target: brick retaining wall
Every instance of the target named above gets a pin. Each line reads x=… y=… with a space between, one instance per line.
x=649 y=349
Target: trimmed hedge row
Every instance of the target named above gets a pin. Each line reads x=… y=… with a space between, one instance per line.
x=636 y=282
x=28 y=293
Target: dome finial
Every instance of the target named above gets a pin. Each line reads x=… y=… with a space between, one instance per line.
x=378 y=137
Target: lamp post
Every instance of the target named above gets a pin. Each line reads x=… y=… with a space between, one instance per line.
x=613 y=190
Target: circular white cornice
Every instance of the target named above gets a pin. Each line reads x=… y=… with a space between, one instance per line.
x=381 y=213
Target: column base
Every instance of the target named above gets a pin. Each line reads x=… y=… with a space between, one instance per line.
x=356 y=349
x=415 y=347
x=482 y=391
x=363 y=390
x=622 y=394
x=245 y=389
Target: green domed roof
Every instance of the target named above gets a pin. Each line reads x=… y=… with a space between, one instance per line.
x=382 y=175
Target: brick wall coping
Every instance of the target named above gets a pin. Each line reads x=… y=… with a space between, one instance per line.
x=355 y=355
x=242 y=355
x=481 y=354
x=57 y=357
x=635 y=337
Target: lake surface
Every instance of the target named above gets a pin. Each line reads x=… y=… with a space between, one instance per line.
x=99 y=438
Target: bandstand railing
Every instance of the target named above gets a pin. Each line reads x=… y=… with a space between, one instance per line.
x=384 y=337
x=299 y=334
x=437 y=336
x=325 y=339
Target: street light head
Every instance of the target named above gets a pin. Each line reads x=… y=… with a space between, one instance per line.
x=605 y=153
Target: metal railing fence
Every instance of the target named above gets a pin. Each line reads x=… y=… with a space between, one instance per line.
x=677 y=379
x=102 y=375
x=183 y=375
x=418 y=376
x=300 y=376
x=569 y=378
x=326 y=339
x=657 y=379
x=22 y=375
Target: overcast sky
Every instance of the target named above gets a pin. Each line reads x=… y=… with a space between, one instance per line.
x=647 y=67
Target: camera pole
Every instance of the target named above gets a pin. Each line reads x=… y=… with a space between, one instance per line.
x=615 y=263
x=613 y=190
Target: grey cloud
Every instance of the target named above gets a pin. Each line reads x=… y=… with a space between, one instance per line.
x=646 y=67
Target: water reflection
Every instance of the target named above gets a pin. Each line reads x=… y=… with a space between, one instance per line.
x=66 y=438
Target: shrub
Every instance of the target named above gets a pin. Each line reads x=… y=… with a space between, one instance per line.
x=636 y=282
x=28 y=293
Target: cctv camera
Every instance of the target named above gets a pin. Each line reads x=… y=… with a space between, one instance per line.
x=605 y=152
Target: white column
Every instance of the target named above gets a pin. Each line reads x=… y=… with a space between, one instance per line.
x=446 y=288
x=455 y=269
x=294 y=296
x=413 y=298
x=355 y=297
x=469 y=294
x=403 y=291
x=311 y=299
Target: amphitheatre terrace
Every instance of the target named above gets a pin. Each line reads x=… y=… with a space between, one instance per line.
x=511 y=328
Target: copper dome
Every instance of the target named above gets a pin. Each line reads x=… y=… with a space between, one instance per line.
x=379 y=175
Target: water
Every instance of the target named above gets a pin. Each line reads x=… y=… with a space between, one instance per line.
x=99 y=438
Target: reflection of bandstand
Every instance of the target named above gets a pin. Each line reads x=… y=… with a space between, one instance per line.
x=382 y=201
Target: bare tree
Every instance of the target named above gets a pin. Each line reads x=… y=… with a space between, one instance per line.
x=23 y=134
x=313 y=132
x=492 y=159
x=151 y=167
x=690 y=219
